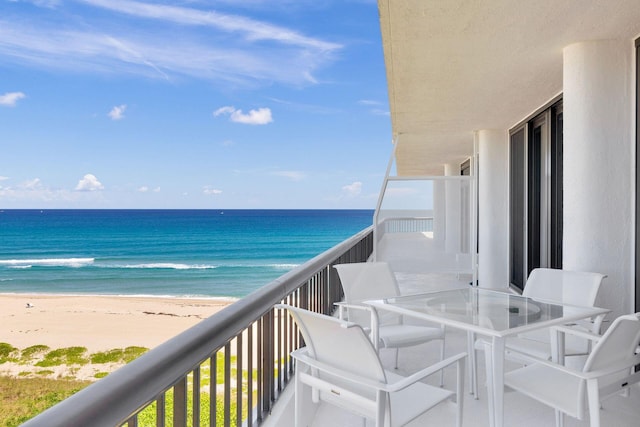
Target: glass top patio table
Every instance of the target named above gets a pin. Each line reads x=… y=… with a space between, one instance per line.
x=491 y=313
x=485 y=311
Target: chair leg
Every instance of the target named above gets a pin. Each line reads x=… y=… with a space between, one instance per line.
x=473 y=364
x=297 y=396
x=442 y=358
x=593 y=395
x=395 y=363
x=381 y=399
x=489 y=369
x=459 y=392
x=559 y=418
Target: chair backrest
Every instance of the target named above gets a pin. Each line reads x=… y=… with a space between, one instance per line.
x=569 y=287
x=367 y=280
x=337 y=343
x=363 y=281
x=618 y=344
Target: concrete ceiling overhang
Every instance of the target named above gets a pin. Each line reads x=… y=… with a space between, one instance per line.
x=457 y=66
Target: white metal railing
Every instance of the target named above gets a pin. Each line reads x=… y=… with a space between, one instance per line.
x=239 y=356
x=407 y=225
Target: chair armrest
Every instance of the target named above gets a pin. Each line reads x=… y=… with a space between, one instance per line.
x=300 y=355
x=342 y=304
x=593 y=324
x=611 y=369
x=423 y=373
x=570 y=330
x=374 y=322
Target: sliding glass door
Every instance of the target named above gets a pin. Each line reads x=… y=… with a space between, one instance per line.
x=535 y=231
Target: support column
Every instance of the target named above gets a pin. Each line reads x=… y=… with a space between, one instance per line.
x=439 y=214
x=493 y=209
x=453 y=239
x=598 y=166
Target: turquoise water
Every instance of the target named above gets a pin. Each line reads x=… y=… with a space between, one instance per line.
x=208 y=253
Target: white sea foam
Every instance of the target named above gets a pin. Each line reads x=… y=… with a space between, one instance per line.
x=48 y=262
x=284 y=266
x=169 y=265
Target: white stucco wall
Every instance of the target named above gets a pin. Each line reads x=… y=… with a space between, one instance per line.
x=598 y=173
x=493 y=211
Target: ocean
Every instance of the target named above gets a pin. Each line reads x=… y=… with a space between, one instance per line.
x=186 y=253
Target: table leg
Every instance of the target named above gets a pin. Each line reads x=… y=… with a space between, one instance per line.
x=473 y=364
x=488 y=364
x=557 y=356
x=497 y=362
x=557 y=346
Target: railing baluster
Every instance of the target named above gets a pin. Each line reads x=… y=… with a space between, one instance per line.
x=260 y=373
x=269 y=362
x=180 y=403
x=160 y=410
x=196 y=397
x=279 y=324
x=227 y=385
x=213 y=389
x=239 y=380
x=250 y=375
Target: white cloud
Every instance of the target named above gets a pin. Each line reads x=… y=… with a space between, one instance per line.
x=4 y=178
x=10 y=99
x=261 y=116
x=32 y=184
x=211 y=191
x=251 y=29
x=89 y=182
x=352 y=190
x=236 y=49
x=117 y=112
x=45 y=3
x=377 y=107
x=292 y=175
x=146 y=189
x=224 y=110
x=35 y=193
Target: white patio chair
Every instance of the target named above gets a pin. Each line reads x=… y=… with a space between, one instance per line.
x=553 y=285
x=342 y=368
x=609 y=370
x=375 y=280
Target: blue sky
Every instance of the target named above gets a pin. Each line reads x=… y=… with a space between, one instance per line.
x=192 y=104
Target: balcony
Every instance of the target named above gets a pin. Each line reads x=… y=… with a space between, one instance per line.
x=240 y=355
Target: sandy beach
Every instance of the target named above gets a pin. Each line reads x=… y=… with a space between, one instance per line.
x=98 y=323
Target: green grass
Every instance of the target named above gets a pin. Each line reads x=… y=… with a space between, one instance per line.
x=65 y=356
x=24 y=398
x=131 y=353
x=8 y=353
x=117 y=355
x=32 y=395
x=34 y=352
